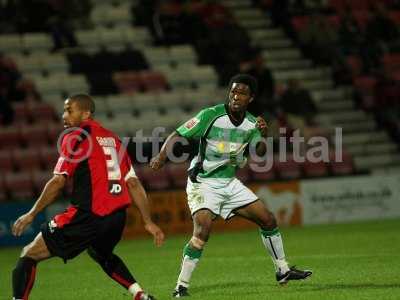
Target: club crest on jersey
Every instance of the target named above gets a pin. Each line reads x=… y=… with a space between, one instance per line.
x=191 y=123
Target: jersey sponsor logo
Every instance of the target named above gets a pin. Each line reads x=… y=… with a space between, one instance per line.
x=115 y=189
x=191 y=123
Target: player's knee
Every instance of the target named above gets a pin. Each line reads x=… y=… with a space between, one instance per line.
x=202 y=231
x=31 y=252
x=269 y=221
x=197 y=243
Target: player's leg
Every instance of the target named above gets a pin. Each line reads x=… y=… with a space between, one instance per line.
x=272 y=240
x=23 y=276
x=202 y=223
x=102 y=252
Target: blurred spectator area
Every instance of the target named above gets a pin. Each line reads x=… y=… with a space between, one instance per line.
x=157 y=63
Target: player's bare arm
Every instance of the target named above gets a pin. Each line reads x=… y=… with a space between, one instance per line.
x=263 y=128
x=158 y=161
x=49 y=194
x=137 y=192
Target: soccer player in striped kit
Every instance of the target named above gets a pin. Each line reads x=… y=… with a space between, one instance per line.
x=225 y=132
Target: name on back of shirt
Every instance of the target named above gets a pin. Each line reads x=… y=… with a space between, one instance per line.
x=106 y=141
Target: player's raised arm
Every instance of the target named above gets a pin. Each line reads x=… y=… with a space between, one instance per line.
x=263 y=128
x=137 y=192
x=50 y=192
x=158 y=161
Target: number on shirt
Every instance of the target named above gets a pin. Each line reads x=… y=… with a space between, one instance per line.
x=113 y=170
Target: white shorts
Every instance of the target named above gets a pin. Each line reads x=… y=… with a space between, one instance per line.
x=217 y=196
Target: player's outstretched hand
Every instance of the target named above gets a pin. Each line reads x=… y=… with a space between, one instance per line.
x=156 y=232
x=22 y=223
x=262 y=126
x=157 y=162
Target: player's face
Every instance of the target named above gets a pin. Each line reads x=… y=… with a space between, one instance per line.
x=239 y=97
x=73 y=115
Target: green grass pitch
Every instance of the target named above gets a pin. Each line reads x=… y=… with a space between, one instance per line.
x=350 y=261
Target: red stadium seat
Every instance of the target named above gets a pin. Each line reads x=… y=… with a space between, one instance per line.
x=178 y=173
x=40 y=179
x=315 y=169
x=391 y=62
x=153 y=81
x=26 y=159
x=22 y=113
x=42 y=111
x=334 y=21
x=20 y=185
x=6 y=162
x=3 y=194
x=48 y=156
x=9 y=137
x=362 y=17
x=355 y=65
x=153 y=180
x=300 y=23
x=345 y=167
x=365 y=84
x=288 y=169
x=359 y=4
x=34 y=135
x=128 y=82
x=54 y=130
x=395 y=16
x=338 y=5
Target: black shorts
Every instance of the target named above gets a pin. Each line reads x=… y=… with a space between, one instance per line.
x=70 y=233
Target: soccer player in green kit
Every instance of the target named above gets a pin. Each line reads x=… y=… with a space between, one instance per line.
x=225 y=132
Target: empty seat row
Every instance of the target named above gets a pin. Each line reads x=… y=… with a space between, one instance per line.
x=175 y=175
x=27 y=184
x=29 y=135
x=22 y=186
x=28 y=112
x=33 y=158
x=175 y=55
x=29 y=42
x=58 y=83
x=113 y=39
x=188 y=76
x=41 y=63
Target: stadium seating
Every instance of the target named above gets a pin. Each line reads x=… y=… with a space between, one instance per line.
x=315 y=169
x=155 y=180
x=9 y=137
x=48 y=156
x=19 y=185
x=178 y=174
x=287 y=169
x=341 y=168
x=40 y=179
x=34 y=135
x=139 y=86
x=26 y=159
x=6 y=161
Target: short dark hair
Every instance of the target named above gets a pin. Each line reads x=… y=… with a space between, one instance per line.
x=85 y=102
x=246 y=79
